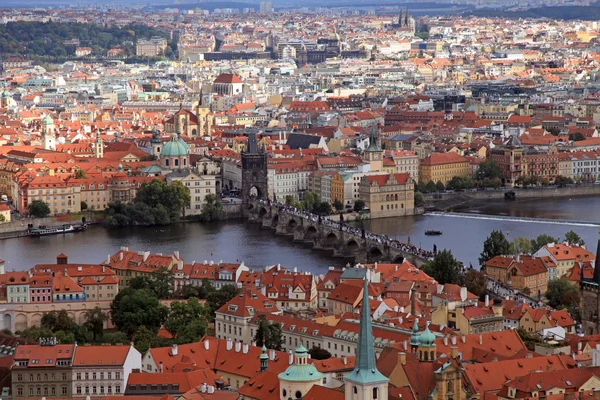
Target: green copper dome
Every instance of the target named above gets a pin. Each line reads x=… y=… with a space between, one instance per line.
x=301 y=370
x=414 y=338
x=47 y=120
x=174 y=148
x=264 y=355
x=427 y=339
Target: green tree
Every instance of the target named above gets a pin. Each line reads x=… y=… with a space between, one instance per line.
x=540 y=242
x=526 y=291
x=563 y=180
x=338 y=205
x=144 y=338
x=489 y=169
x=576 y=137
x=572 y=238
x=268 y=334
x=530 y=340
x=495 y=245
x=439 y=186
x=219 y=298
x=430 y=187
x=421 y=187
x=318 y=353
x=561 y=293
x=95 y=322
x=80 y=174
x=555 y=131
x=476 y=282
x=212 y=209
x=63 y=337
x=443 y=268
x=322 y=208
x=161 y=283
x=134 y=308
x=419 y=199
x=184 y=313
x=520 y=245
x=2 y=218
x=359 y=205
x=310 y=200
x=84 y=205
x=118 y=338
x=38 y=209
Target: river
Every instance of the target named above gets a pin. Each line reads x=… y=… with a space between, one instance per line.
x=463 y=233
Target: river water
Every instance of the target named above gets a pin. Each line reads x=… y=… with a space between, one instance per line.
x=463 y=233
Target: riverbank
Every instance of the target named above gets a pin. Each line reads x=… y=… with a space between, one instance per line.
x=18 y=228
x=447 y=201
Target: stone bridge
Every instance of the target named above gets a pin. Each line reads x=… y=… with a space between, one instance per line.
x=328 y=235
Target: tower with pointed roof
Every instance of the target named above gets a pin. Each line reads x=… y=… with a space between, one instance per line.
x=365 y=382
x=427 y=350
x=590 y=299
x=264 y=359
x=205 y=118
x=48 y=133
x=299 y=377
x=254 y=170
x=156 y=143
x=414 y=338
x=374 y=153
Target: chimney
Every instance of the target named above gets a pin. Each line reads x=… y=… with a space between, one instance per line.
x=487 y=300
x=413 y=302
x=453 y=340
x=290 y=357
x=238 y=347
x=440 y=289
x=518 y=258
x=210 y=390
x=463 y=293
x=121 y=256
x=180 y=265
x=62 y=259
x=396 y=269
x=345 y=361
x=445 y=340
x=405 y=344
x=146 y=255
x=401 y=358
x=176 y=254
x=174 y=350
x=396 y=308
x=454 y=351
x=480 y=339
x=66 y=272
x=103 y=268
x=108 y=260
x=579 y=347
x=463 y=338
x=245 y=348
x=160 y=367
x=271 y=354
x=229 y=344
x=206 y=344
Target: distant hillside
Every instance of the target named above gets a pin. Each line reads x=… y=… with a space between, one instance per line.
x=565 y=13
x=208 y=6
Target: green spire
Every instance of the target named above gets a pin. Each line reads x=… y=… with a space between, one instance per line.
x=414 y=338
x=373 y=143
x=366 y=371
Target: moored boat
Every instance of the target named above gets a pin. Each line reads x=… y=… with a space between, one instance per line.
x=433 y=233
x=43 y=230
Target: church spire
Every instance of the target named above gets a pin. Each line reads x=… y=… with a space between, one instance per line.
x=366 y=373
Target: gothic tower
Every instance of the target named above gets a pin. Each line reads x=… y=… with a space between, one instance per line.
x=365 y=382
x=374 y=153
x=205 y=118
x=254 y=170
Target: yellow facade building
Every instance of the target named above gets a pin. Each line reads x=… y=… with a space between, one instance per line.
x=442 y=167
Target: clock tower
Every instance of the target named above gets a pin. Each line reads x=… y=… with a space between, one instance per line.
x=374 y=153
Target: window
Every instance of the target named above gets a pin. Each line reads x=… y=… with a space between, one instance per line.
x=109 y=375
x=20 y=392
x=284 y=392
x=118 y=389
x=93 y=375
x=64 y=376
x=53 y=391
x=63 y=390
x=78 y=389
x=375 y=393
x=109 y=389
x=117 y=376
x=298 y=394
x=20 y=377
x=31 y=391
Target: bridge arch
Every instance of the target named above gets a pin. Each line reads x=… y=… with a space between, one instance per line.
x=375 y=254
x=311 y=233
x=292 y=224
x=352 y=246
x=262 y=212
x=331 y=238
x=398 y=260
x=275 y=221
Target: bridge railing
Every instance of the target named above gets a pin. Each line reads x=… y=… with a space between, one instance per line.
x=376 y=239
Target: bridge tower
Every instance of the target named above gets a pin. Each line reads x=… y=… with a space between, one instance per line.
x=254 y=171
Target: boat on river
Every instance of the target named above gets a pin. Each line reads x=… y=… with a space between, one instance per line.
x=56 y=230
x=433 y=233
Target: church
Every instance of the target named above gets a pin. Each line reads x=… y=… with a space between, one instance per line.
x=190 y=124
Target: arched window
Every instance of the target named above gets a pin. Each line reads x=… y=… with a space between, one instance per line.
x=449 y=388
x=396 y=196
x=432 y=357
x=354 y=390
x=167 y=162
x=284 y=392
x=426 y=356
x=402 y=205
x=176 y=162
x=375 y=393
x=298 y=394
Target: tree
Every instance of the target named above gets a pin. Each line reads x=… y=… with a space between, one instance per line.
x=318 y=353
x=572 y=238
x=489 y=169
x=310 y=200
x=419 y=199
x=95 y=322
x=520 y=245
x=495 y=245
x=430 y=187
x=80 y=174
x=212 y=209
x=134 y=308
x=187 y=320
x=359 y=205
x=540 y=242
x=220 y=297
x=118 y=338
x=561 y=293
x=268 y=334
x=576 y=137
x=439 y=186
x=38 y=209
x=161 y=283
x=555 y=131
x=338 y=205
x=476 y=282
x=2 y=218
x=421 y=187
x=526 y=291
x=84 y=205
x=563 y=180
x=144 y=338
x=443 y=268
x=530 y=340
x=322 y=208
